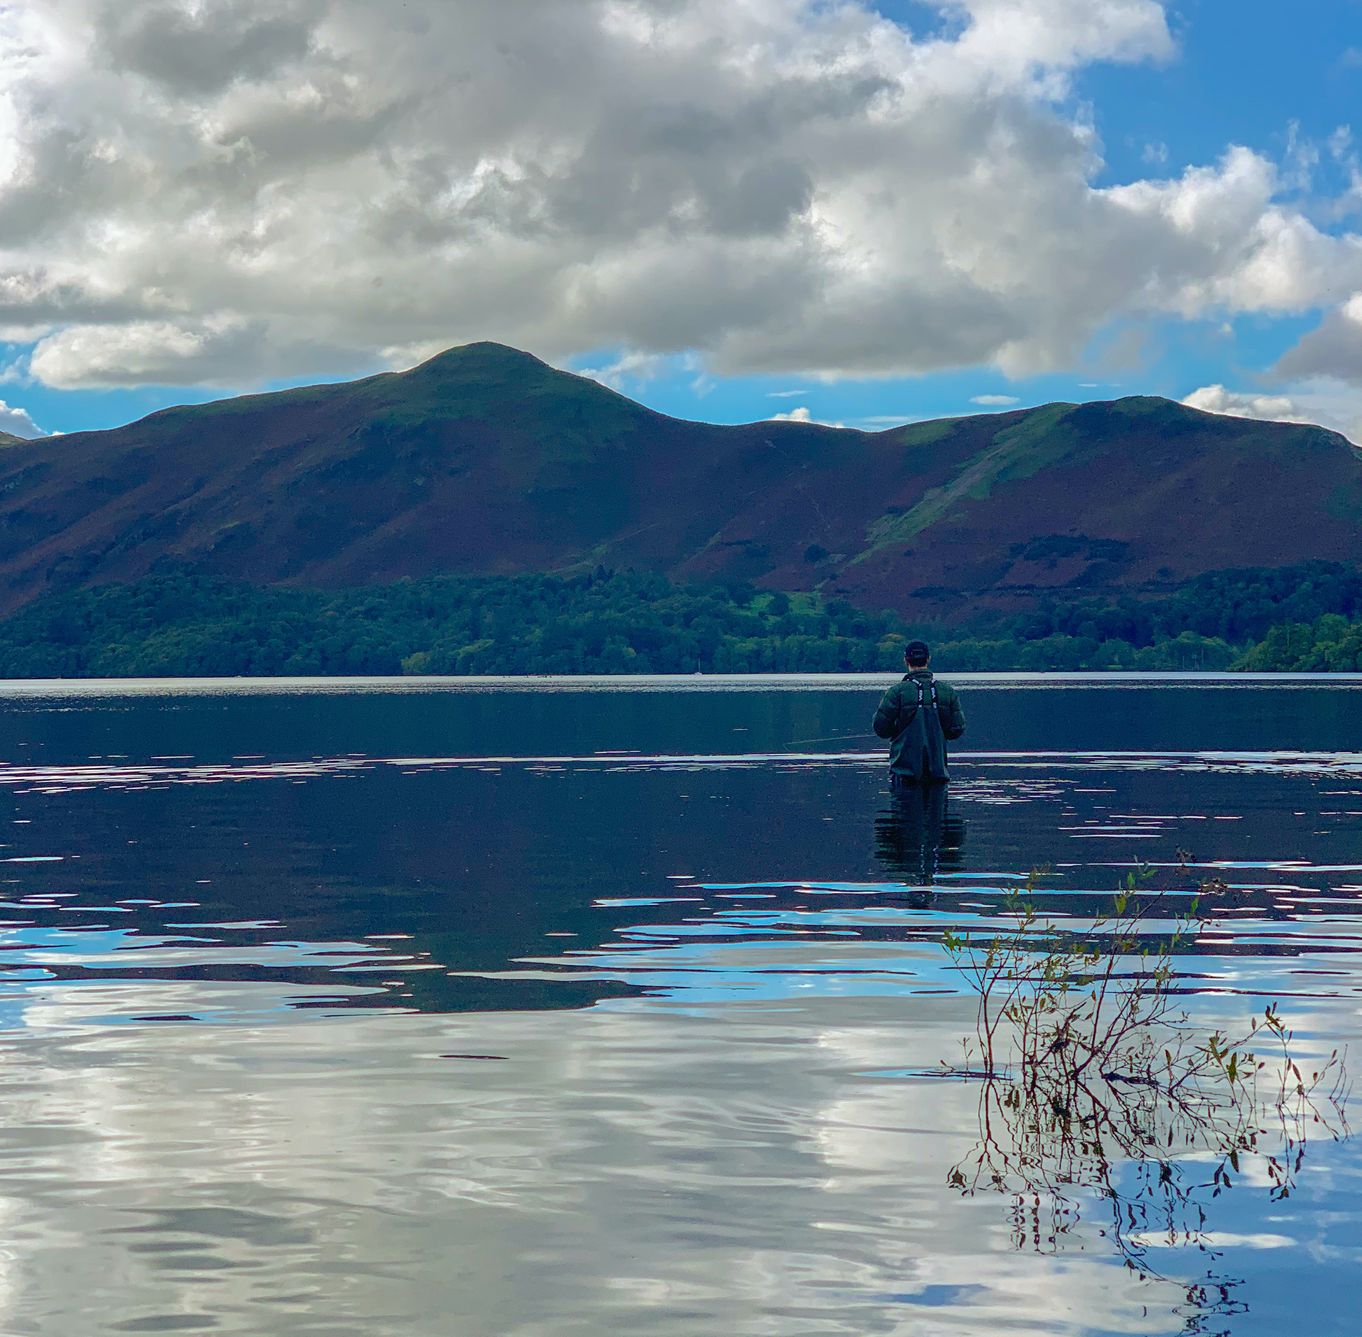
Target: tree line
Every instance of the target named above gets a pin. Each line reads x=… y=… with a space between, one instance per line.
x=182 y=623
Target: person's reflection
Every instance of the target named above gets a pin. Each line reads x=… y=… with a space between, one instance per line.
x=917 y=837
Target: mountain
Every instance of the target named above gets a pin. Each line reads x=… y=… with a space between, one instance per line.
x=485 y=460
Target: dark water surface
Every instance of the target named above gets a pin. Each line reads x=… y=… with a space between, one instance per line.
x=541 y=1009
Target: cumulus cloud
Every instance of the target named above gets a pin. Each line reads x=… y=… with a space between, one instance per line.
x=1318 y=405
x=203 y=50
x=995 y=401
x=229 y=191
x=628 y=369
x=161 y=351
x=802 y=414
x=15 y=421
x=1272 y=408
x=1334 y=349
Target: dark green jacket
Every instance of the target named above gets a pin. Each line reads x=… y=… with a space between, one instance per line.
x=917 y=737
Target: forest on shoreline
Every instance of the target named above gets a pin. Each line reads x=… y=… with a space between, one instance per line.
x=179 y=623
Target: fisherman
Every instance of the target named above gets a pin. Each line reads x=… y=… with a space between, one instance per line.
x=918 y=715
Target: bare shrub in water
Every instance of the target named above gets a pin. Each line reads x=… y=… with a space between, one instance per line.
x=1097 y=1086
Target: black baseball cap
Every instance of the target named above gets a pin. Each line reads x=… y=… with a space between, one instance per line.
x=917 y=652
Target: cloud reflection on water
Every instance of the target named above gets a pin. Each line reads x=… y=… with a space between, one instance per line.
x=708 y=1017
x=687 y=1175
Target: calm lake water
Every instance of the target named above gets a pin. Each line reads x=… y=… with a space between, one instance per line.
x=548 y=1009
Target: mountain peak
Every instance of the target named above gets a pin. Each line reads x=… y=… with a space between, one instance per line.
x=483 y=357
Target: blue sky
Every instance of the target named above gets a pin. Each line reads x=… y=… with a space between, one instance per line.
x=118 y=315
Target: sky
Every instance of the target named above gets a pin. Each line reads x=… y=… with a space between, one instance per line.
x=832 y=210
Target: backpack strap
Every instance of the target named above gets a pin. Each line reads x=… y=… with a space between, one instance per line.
x=921 y=701
x=904 y=722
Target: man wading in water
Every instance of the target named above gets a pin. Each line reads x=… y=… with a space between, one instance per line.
x=919 y=715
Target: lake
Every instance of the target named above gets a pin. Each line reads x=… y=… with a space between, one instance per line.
x=620 y=1006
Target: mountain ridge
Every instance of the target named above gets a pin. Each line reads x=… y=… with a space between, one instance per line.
x=485 y=460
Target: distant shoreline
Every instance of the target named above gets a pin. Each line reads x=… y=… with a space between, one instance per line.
x=694 y=682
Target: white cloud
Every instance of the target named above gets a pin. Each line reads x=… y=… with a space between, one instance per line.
x=802 y=414
x=628 y=369
x=888 y=419
x=17 y=422
x=255 y=189
x=995 y=401
x=159 y=352
x=785 y=394
x=1318 y=403
x=1334 y=349
x=1217 y=399
x=1227 y=246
